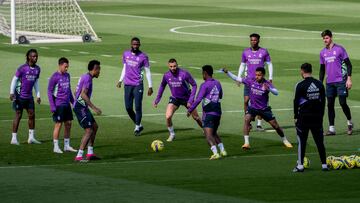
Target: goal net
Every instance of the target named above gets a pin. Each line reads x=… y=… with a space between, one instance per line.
x=44 y=21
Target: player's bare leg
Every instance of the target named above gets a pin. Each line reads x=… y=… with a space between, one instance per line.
x=31 y=123
x=90 y=153
x=67 y=129
x=280 y=132
x=56 y=133
x=209 y=135
x=84 y=141
x=247 y=120
x=15 y=127
x=170 y=110
x=197 y=118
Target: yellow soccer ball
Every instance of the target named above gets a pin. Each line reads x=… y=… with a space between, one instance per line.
x=349 y=162
x=157 y=145
x=306 y=162
x=329 y=160
x=357 y=160
x=337 y=164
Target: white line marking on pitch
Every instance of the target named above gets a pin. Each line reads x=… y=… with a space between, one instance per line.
x=291 y=69
x=44 y=47
x=75 y=77
x=193 y=67
x=152 y=61
x=105 y=55
x=166 y=160
x=7 y=43
x=162 y=114
x=65 y=50
x=219 y=23
x=83 y=52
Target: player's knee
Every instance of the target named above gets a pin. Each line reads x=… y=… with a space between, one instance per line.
x=168 y=117
x=342 y=101
x=95 y=127
x=31 y=115
x=68 y=124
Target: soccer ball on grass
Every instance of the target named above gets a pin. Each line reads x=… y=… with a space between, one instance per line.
x=157 y=145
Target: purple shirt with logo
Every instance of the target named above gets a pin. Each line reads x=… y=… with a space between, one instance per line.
x=210 y=94
x=134 y=64
x=59 y=90
x=259 y=96
x=27 y=77
x=179 y=84
x=254 y=59
x=85 y=82
x=332 y=59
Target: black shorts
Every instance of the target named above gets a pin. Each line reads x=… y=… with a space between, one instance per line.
x=336 y=89
x=266 y=113
x=63 y=113
x=84 y=116
x=177 y=102
x=211 y=121
x=20 y=104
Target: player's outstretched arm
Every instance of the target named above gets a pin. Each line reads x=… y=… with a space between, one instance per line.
x=200 y=96
x=231 y=75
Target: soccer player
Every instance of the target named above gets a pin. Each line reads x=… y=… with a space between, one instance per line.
x=309 y=107
x=259 y=103
x=60 y=99
x=336 y=63
x=135 y=62
x=253 y=57
x=210 y=93
x=81 y=108
x=179 y=81
x=25 y=79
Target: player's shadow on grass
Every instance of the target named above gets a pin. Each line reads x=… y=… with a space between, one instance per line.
x=283 y=127
x=156 y=132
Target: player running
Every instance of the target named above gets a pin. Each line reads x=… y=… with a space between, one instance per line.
x=253 y=57
x=179 y=81
x=309 y=107
x=81 y=108
x=259 y=103
x=60 y=100
x=210 y=94
x=25 y=79
x=336 y=63
x=135 y=62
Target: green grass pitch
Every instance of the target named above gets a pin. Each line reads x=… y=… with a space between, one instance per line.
x=195 y=33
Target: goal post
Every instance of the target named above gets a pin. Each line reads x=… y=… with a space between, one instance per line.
x=44 y=21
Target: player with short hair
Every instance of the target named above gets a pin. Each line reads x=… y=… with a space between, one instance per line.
x=135 y=62
x=309 y=108
x=259 y=103
x=86 y=120
x=179 y=81
x=60 y=100
x=25 y=79
x=335 y=61
x=210 y=93
x=252 y=58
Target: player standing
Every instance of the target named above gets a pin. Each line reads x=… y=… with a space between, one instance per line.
x=309 y=107
x=210 y=93
x=135 y=62
x=179 y=81
x=81 y=108
x=336 y=63
x=252 y=58
x=259 y=103
x=60 y=99
x=25 y=79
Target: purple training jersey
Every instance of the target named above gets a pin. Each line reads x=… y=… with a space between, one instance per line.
x=210 y=94
x=27 y=77
x=259 y=95
x=134 y=67
x=333 y=59
x=179 y=84
x=85 y=82
x=254 y=59
x=59 y=90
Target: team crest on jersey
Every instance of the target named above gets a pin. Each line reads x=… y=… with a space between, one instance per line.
x=249 y=56
x=334 y=52
x=27 y=72
x=260 y=55
x=324 y=55
x=180 y=78
x=127 y=57
x=137 y=58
